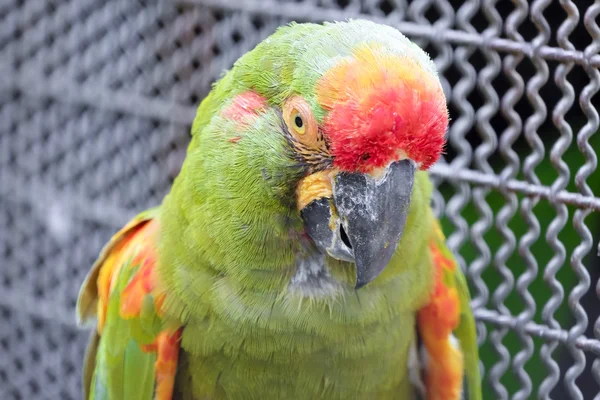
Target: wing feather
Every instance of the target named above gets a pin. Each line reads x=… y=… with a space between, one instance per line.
x=123 y=359
x=447 y=317
x=88 y=294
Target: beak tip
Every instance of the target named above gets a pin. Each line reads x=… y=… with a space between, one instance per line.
x=366 y=275
x=360 y=284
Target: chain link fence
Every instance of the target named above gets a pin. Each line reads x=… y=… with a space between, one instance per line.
x=96 y=102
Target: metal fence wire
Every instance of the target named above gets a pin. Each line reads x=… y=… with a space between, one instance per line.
x=96 y=102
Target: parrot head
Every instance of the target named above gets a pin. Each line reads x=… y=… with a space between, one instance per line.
x=385 y=118
x=335 y=120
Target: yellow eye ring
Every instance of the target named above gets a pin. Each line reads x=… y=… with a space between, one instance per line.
x=298 y=122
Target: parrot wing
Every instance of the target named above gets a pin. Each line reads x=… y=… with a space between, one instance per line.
x=444 y=320
x=132 y=354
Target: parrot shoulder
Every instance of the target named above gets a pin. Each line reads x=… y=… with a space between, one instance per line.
x=447 y=328
x=133 y=352
x=87 y=302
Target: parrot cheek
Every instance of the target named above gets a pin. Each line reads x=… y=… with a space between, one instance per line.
x=364 y=218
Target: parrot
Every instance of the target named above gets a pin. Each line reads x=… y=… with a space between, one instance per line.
x=296 y=254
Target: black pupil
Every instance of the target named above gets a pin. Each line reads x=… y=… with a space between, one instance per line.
x=298 y=121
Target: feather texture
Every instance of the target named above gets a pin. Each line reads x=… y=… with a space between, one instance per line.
x=448 y=314
x=133 y=354
x=230 y=245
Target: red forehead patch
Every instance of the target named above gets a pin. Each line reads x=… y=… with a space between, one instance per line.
x=381 y=108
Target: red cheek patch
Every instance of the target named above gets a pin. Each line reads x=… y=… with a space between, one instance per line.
x=244 y=108
x=382 y=107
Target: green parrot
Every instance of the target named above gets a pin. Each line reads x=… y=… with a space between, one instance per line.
x=296 y=255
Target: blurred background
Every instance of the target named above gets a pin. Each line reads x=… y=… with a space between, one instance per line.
x=97 y=98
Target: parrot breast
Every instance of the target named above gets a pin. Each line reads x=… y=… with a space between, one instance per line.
x=265 y=316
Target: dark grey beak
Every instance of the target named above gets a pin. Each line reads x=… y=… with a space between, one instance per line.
x=365 y=219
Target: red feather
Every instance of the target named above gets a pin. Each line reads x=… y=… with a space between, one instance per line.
x=382 y=107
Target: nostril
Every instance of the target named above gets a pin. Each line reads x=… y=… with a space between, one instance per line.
x=345 y=237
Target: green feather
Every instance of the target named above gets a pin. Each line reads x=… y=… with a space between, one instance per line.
x=466 y=335
x=122 y=369
x=230 y=234
x=138 y=373
x=466 y=330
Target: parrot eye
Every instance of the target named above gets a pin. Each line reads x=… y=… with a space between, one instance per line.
x=299 y=126
x=300 y=121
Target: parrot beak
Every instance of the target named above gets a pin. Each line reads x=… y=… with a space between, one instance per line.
x=365 y=219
